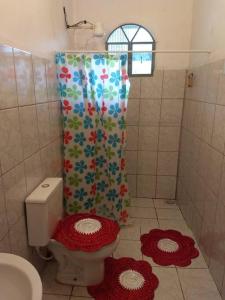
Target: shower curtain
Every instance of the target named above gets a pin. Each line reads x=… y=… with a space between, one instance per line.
x=94 y=92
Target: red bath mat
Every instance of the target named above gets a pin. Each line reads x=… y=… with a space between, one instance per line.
x=86 y=232
x=169 y=247
x=125 y=279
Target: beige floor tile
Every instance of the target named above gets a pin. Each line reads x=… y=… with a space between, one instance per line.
x=55 y=297
x=165 y=213
x=179 y=225
x=142 y=202
x=169 y=286
x=50 y=286
x=164 y=203
x=142 y=212
x=131 y=232
x=128 y=249
x=197 y=263
x=146 y=224
x=153 y=264
x=198 y=284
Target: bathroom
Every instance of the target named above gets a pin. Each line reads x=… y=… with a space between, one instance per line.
x=172 y=146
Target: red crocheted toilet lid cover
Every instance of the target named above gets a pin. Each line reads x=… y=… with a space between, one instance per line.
x=86 y=232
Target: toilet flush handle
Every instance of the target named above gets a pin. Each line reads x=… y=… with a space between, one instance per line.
x=45 y=185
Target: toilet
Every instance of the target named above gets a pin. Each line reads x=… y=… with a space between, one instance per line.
x=80 y=252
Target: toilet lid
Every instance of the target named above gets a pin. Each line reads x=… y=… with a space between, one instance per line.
x=86 y=232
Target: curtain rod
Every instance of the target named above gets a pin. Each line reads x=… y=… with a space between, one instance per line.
x=133 y=51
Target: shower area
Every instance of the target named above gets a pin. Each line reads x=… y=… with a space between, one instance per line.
x=172 y=138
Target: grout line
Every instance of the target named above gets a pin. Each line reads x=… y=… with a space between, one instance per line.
x=160 y=115
x=138 y=135
x=202 y=140
x=180 y=135
x=196 y=170
x=30 y=104
x=180 y=283
x=24 y=159
x=154 y=175
x=202 y=101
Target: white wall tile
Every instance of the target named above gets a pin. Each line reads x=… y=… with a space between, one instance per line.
x=40 y=83
x=149 y=112
x=166 y=187
x=171 y=112
x=133 y=111
x=18 y=239
x=43 y=123
x=3 y=216
x=218 y=135
x=131 y=162
x=132 y=138
x=147 y=162
x=169 y=138
x=19 y=140
x=151 y=87
x=132 y=185
x=148 y=138
x=167 y=163
x=146 y=186
x=135 y=88
x=29 y=128
x=11 y=150
x=24 y=77
x=8 y=93
x=33 y=171
x=15 y=192
x=173 y=84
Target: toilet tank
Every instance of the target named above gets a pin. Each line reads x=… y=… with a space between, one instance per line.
x=44 y=207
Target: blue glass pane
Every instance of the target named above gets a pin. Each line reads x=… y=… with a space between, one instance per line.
x=142 y=61
x=117 y=47
x=143 y=36
x=142 y=57
x=117 y=36
x=130 y=30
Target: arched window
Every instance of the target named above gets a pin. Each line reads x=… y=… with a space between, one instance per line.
x=134 y=37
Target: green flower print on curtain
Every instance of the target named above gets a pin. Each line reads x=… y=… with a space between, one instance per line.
x=94 y=92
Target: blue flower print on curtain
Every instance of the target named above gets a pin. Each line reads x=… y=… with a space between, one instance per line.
x=94 y=93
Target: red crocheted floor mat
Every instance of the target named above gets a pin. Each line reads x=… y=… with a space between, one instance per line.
x=169 y=247
x=86 y=232
x=125 y=279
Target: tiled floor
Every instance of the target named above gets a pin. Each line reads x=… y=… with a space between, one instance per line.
x=191 y=283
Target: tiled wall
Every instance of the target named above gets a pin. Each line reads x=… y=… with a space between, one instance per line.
x=30 y=140
x=154 y=120
x=201 y=184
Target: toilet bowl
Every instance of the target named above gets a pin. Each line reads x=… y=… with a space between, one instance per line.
x=81 y=251
x=79 y=267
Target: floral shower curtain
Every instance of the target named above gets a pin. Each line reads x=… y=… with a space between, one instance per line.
x=94 y=92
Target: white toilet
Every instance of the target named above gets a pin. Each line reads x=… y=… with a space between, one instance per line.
x=44 y=210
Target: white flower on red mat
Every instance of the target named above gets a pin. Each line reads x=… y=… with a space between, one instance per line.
x=126 y=279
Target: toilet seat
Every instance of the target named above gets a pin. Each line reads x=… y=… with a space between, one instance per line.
x=86 y=232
